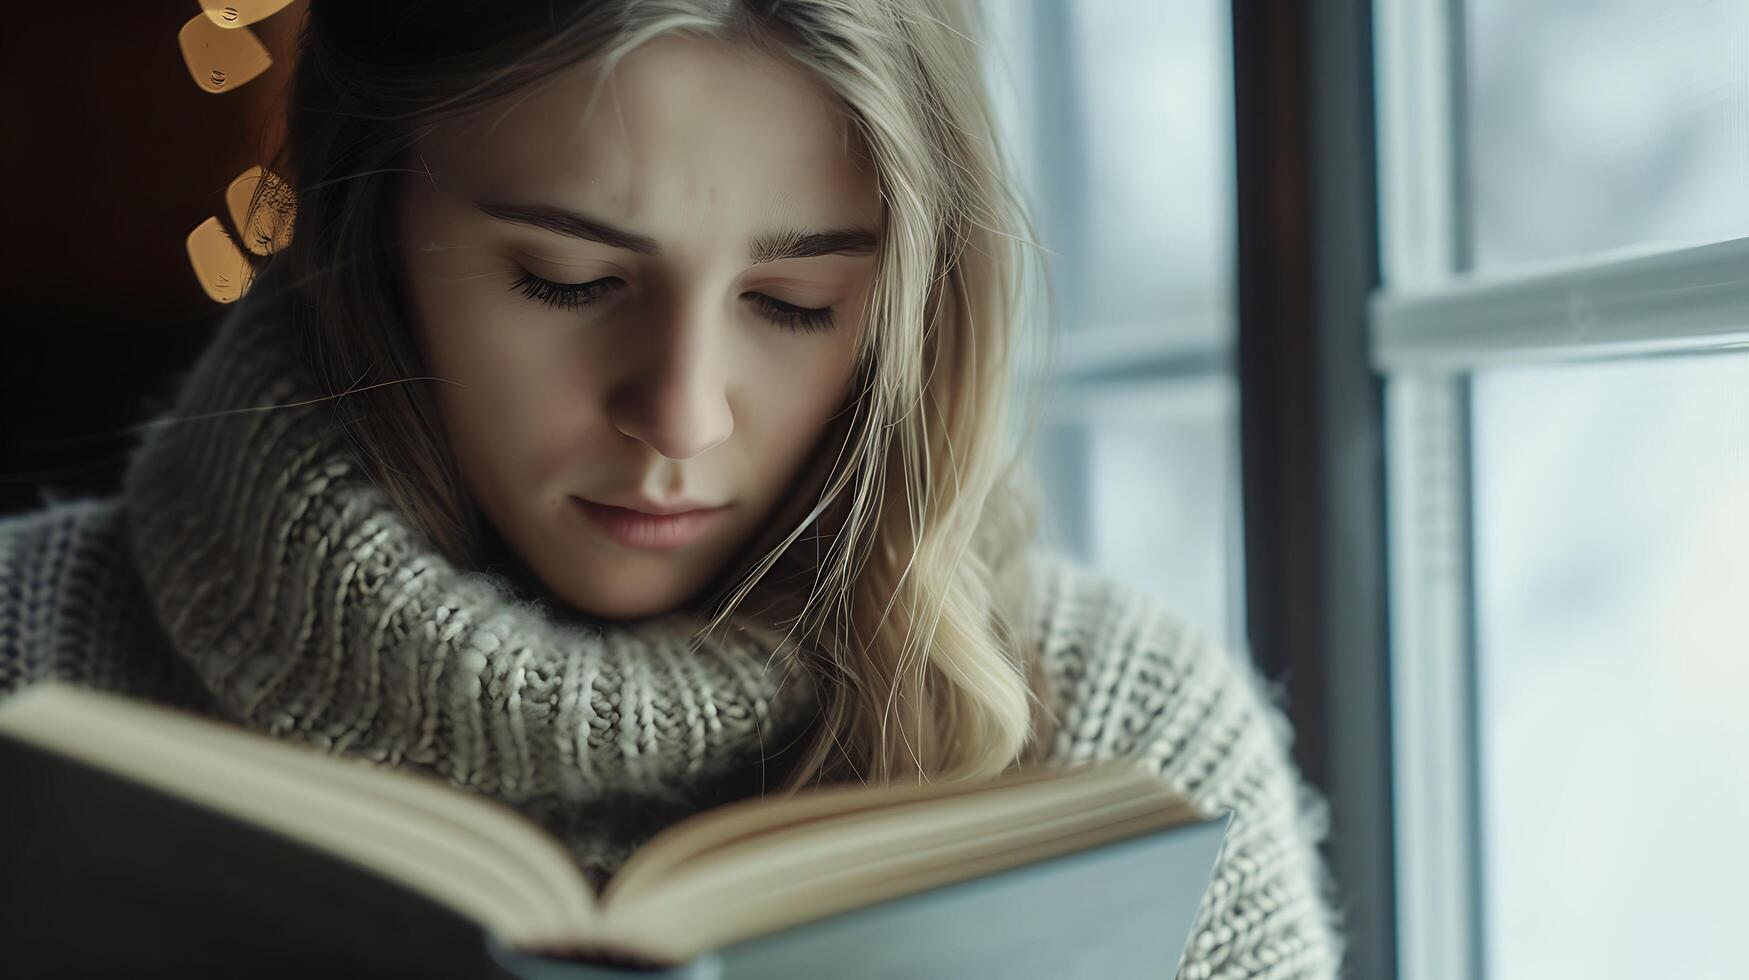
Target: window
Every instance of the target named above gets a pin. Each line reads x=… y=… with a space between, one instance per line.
x=1119 y=117
x=1564 y=333
x=1612 y=562
x=1599 y=125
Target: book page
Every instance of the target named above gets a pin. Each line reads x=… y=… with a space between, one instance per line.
x=693 y=838
x=760 y=882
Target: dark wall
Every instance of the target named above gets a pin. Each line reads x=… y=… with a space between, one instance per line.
x=113 y=156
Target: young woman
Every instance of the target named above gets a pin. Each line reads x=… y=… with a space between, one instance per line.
x=621 y=433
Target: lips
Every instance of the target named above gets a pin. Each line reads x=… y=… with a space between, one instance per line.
x=635 y=529
x=644 y=505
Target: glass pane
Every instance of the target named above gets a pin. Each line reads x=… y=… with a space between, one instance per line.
x=1155 y=120
x=1604 y=124
x=1612 y=563
x=1119 y=115
x=1154 y=501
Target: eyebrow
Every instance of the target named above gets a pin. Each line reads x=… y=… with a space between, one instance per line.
x=767 y=247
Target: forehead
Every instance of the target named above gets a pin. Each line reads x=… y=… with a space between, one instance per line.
x=685 y=133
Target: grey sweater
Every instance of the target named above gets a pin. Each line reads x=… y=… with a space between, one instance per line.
x=250 y=571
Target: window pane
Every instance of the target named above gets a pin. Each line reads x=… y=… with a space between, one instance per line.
x=1155 y=122
x=1121 y=114
x=1118 y=113
x=1612 y=562
x=1603 y=124
x=1155 y=497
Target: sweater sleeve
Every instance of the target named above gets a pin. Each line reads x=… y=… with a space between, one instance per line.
x=49 y=601
x=1132 y=681
x=71 y=607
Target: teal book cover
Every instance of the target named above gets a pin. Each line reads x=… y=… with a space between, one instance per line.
x=1119 y=910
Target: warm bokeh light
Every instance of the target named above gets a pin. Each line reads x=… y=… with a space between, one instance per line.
x=221 y=59
x=241 y=13
x=224 y=272
x=269 y=227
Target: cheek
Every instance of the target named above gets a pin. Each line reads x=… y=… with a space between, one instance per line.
x=796 y=396
x=511 y=390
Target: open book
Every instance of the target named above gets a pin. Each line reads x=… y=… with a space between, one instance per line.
x=849 y=861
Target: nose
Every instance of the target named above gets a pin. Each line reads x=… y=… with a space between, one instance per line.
x=673 y=395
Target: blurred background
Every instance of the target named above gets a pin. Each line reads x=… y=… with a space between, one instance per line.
x=1405 y=351
x=1602 y=495
x=1119 y=116
x=116 y=157
x=1611 y=499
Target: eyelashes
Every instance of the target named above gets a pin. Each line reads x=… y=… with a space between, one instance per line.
x=570 y=296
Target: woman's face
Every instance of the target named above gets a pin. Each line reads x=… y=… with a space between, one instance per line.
x=681 y=371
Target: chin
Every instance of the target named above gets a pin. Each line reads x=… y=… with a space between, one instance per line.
x=620 y=604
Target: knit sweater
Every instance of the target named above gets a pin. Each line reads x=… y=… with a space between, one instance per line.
x=249 y=570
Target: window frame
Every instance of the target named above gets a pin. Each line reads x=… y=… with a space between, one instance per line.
x=1313 y=450
x=1422 y=243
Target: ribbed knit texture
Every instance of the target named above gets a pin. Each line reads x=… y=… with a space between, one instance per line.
x=250 y=571
x=1130 y=680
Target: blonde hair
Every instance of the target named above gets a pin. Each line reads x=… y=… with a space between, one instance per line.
x=914 y=619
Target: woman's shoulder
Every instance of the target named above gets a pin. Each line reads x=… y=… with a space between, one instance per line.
x=42 y=543
x=1091 y=620
x=1130 y=675
x=1130 y=678
x=69 y=599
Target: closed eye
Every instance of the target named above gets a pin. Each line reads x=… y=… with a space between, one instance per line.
x=562 y=295
x=570 y=296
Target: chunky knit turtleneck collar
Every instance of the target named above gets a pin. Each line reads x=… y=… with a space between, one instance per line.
x=312 y=608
